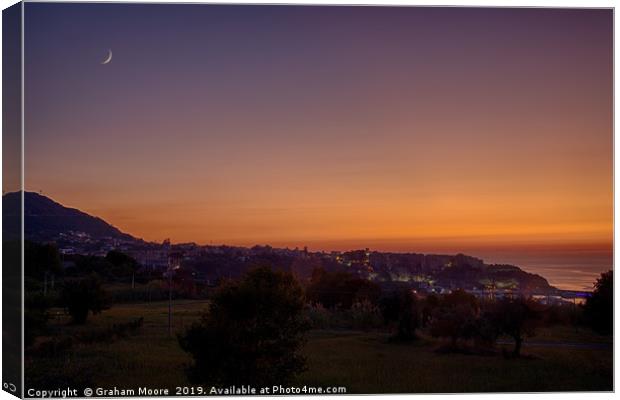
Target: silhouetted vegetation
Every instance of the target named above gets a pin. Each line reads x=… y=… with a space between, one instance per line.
x=401 y=311
x=40 y=259
x=252 y=333
x=563 y=314
x=121 y=263
x=110 y=334
x=429 y=305
x=253 y=329
x=35 y=316
x=363 y=316
x=340 y=289
x=41 y=266
x=599 y=308
x=517 y=318
x=455 y=317
x=81 y=296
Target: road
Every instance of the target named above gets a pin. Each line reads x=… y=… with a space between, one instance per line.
x=572 y=345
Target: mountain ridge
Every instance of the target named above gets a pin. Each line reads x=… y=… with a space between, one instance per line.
x=45 y=219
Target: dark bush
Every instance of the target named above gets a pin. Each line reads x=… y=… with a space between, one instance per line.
x=562 y=314
x=40 y=259
x=81 y=296
x=122 y=264
x=429 y=305
x=401 y=311
x=340 y=289
x=455 y=317
x=599 y=308
x=361 y=316
x=252 y=333
x=485 y=332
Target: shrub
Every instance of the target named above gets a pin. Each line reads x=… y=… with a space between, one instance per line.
x=429 y=305
x=485 y=332
x=400 y=310
x=252 y=333
x=365 y=315
x=455 y=317
x=122 y=264
x=79 y=296
x=40 y=259
x=319 y=317
x=340 y=289
x=599 y=308
x=362 y=315
x=562 y=314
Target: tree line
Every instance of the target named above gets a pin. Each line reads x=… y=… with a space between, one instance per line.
x=253 y=330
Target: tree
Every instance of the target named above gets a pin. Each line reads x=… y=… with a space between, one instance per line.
x=516 y=318
x=455 y=317
x=430 y=304
x=41 y=259
x=122 y=264
x=81 y=296
x=340 y=289
x=485 y=332
x=402 y=310
x=599 y=308
x=89 y=265
x=252 y=333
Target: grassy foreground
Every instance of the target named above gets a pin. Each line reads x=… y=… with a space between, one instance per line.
x=361 y=362
x=366 y=363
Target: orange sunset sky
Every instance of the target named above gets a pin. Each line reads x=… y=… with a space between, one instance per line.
x=414 y=129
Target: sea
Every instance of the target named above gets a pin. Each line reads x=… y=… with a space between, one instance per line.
x=563 y=268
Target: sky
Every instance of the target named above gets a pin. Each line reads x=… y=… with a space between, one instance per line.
x=409 y=129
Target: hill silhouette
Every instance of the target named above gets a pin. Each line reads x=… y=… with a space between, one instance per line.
x=45 y=219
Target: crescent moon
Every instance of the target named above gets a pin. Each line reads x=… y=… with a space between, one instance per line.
x=109 y=58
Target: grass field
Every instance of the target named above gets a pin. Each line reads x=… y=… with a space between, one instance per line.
x=361 y=362
x=377 y=366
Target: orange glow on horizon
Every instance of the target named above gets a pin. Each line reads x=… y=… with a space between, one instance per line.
x=394 y=128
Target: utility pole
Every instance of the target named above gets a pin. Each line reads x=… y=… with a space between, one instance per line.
x=174 y=263
x=170 y=302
